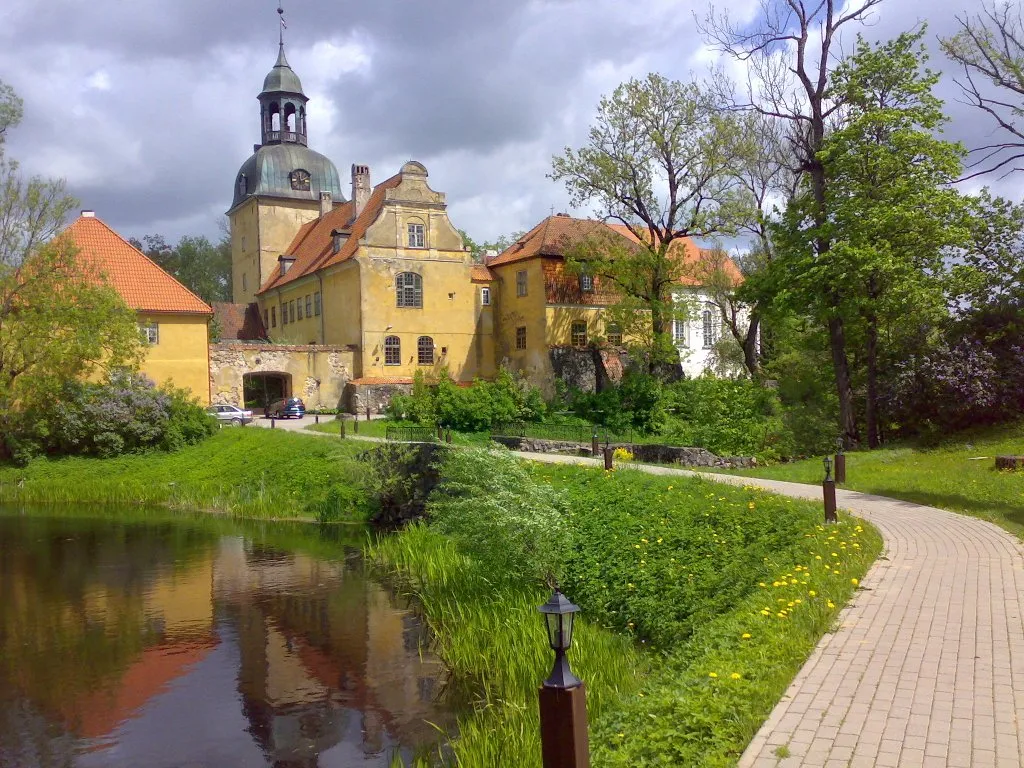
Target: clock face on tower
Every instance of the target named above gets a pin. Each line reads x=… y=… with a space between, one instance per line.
x=299 y=179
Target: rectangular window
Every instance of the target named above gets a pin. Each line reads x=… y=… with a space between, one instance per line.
x=245 y=286
x=266 y=318
x=309 y=305
x=679 y=332
x=586 y=283
x=708 y=319
x=150 y=333
x=392 y=351
x=316 y=304
x=284 y=313
x=485 y=296
x=300 y=309
x=521 y=337
x=521 y=282
x=614 y=335
x=579 y=335
x=273 y=317
x=415 y=235
x=291 y=311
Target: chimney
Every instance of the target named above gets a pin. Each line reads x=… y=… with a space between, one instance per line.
x=325 y=203
x=88 y=214
x=361 y=188
x=286 y=263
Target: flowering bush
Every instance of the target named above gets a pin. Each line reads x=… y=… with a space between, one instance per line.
x=622 y=454
x=127 y=414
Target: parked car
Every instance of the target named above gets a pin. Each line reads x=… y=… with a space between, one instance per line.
x=286 y=407
x=230 y=414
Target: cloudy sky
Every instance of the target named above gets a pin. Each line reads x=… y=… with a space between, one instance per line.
x=148 y=107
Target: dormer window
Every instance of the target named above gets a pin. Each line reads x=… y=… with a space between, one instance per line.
x=416 y=239
x=242 y=184
x=299 y=179
x=337 y=240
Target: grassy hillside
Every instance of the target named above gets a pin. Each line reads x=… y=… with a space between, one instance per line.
x=958 y=474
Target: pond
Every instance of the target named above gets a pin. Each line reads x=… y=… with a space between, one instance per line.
x=159 y=641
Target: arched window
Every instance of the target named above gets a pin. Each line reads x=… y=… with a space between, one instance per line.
x=242 y=184
x=409 y=290
x=392 y=351
x=289 y=118
x=275 y=116
x=425 y=350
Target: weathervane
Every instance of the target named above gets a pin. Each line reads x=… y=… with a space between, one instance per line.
x=280 y=13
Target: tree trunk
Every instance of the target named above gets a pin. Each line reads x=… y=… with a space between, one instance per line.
x=844 y=388
x=751 y=358
x=871 y=407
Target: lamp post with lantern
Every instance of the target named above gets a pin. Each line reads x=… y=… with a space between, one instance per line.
x=828 y=487
x=563 y=703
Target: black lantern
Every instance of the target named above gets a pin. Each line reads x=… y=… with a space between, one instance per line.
x=828 y=468
x=839 y=445
x=558 y=616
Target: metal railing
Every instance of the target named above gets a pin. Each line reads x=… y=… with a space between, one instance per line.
x=410 y=434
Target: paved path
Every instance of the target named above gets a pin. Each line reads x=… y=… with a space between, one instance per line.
x=927 y=665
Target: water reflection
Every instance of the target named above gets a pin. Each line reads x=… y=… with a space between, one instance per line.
x=178 y=644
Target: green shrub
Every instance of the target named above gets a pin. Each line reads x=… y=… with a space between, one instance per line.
x=635 y=404
x=126 y=414
x=490 y=506
x=475 y=408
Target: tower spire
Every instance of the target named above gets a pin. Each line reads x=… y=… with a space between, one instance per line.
x=280 y=13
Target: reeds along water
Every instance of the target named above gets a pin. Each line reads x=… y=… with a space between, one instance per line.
x=488 y=632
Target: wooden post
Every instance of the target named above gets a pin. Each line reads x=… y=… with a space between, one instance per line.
x=440 y=433
x=829 y=492
x=367 y=413
x=316 y=418
x=342 y=431
x=563 y=728
x=355 y=424
x=448 y=435
x=272 y=422
x=840 y=467
x=607 y=457
x=594 y=445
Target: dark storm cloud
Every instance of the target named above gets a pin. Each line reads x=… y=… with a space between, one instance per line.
x=148 y=107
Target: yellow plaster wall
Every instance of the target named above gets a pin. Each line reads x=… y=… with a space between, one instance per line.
x=304 y=331
x=342 y=320
x=560 y=319
x=513 y=311
x=261 y=230
x=181 y=354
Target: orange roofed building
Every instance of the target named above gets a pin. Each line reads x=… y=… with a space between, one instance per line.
x=173 y=320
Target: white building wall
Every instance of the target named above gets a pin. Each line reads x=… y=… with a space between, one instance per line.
x=695 y=339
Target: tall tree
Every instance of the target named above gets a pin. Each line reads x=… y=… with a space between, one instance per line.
x=57 y=320
x=655 y=162
x=479 y=250
x=892 y=211
x=990 y=49
x=790 y=56
x=201 y=266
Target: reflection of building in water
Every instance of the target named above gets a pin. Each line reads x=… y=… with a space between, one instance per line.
x=317 y=649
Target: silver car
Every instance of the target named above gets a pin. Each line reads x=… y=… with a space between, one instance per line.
x=230 y=414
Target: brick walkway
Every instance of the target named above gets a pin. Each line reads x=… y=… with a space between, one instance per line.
x=927 y=665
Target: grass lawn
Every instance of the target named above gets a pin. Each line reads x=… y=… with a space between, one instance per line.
x=378 y=428
x=958 y=475
x=244 y=471
x=700 y=603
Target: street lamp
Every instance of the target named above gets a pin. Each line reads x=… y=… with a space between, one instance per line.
x=558 y=617
x=563 y=703
x=828 y=468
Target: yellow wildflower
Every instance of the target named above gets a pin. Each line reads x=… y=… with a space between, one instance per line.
x=746 y=635
x=712 y=674
x=735 y=675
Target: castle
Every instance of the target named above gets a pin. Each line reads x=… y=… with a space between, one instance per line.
x=341 y=301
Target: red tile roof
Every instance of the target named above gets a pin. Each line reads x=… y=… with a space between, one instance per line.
x=313 y=246
x=555 y=234
x=141 y=283
x=479 y=273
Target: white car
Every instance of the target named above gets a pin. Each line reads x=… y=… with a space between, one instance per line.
x=230 y=414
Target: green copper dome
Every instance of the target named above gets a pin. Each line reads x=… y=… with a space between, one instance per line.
x=282 y=77
x=290 y=171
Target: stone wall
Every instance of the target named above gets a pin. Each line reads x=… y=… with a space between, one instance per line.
x=660 y=454
x=358 y=396
x=318 y=374
x=587 y=369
